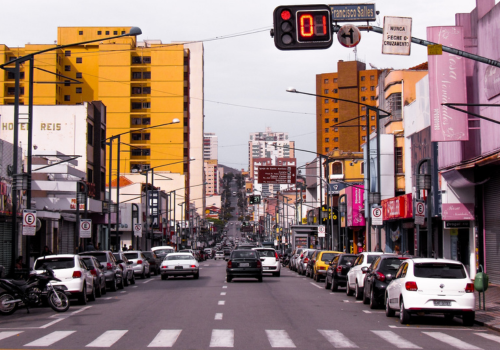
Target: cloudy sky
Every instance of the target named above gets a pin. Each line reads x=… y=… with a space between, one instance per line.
x=245 y=74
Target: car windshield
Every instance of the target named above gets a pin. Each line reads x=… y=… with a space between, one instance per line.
x=88 y=261
x=266 y=253
x=371 y=258
x=164 y=251
x=180 y=257
x=348 y=258
x=390 y=265
x=131 y=255
x=310 y=253
x=439 y=270
x=99 y=256
x=328 y=256
x=238 y=254
x=148 y=255
x=55 y=263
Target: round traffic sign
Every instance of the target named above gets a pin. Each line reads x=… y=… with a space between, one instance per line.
x=420 y=208
x=29 y=219
x=85 y=225
x=349 y=35
x=377 y=212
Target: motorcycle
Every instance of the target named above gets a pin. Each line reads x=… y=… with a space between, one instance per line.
x=33 y=292
x=285 y=261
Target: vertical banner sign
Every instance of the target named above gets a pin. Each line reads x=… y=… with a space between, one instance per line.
x=29 y=222
x=85 y=228
x=397 y=36
x=138 y=230
x=447 y=85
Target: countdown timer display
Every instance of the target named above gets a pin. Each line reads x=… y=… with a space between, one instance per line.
x=312 y=26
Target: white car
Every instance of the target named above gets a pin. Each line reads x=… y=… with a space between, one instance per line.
x=72 y=272
x=179 y=264
x=270 y=261
x=423 y=286
x=356 y=276
x=219 y=255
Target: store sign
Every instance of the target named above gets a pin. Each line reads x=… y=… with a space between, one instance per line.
x=458 y=211
x=355 y=206
x=457 y=224
x=398 y=207
x=335 y=187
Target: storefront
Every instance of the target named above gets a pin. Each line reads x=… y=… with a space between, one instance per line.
x=398 y=224
x=353 y=224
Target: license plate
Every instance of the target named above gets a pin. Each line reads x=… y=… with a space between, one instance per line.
x=244 y=265
x=442 y=303
x=265 y=268
x=178 y=267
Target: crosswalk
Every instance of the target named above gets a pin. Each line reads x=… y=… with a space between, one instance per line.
x=225 y=338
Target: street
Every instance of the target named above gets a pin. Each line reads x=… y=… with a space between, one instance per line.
x=182 y=313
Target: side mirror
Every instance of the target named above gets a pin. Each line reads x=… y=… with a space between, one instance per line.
x=364 y=269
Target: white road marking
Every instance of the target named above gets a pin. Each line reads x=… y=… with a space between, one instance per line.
x=221 y=302
x=51 y=338
x=314 y=284
x=51 y=323
x=166 y=338
x=147 y=281
x=80 y=310
x=134 y=286
x=218 y=317
x=123 y=292
x=108 y=298
x=106 y=339
x=396 y=340
x=345 y=301
x=5 y=335
x=207 y=265
x=222 y=293
x=439 y=328
x=279 y=339
x=448 y=339
x=367 y=312
x=222 y=338
x=495 y=338
x=337 y=339
x=224 y=286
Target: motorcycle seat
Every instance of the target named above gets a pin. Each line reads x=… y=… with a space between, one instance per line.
x=18 y=282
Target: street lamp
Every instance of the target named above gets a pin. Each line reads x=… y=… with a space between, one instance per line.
x=134 y=31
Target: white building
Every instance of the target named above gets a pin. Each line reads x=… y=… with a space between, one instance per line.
x=210 y=146
x=269 y=144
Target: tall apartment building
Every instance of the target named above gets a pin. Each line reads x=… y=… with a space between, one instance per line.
x=269 y=144
x=141 y=84
x=210 y=146
x=354 y=83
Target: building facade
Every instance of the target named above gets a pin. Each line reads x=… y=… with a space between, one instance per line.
x=269 y=144
x=210 y=146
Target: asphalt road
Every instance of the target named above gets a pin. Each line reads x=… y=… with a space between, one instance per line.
x=182 y=313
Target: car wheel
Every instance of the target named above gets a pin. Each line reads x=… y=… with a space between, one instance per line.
x=335 y=285
x=82 y=299
x=125 y=281
x=357 y=291
x=468 y=318
x=448 y=318
x=98 y=291
x=348 y=290
x=388 y=311
x=114 y=285
x=132 y=281
x=373 y=302
x=366 y=299
x=259 y=278
x=196 y=275
x=104 y=290
x=277 y=274
x=143 y=274
x=404 y=315
x=149 y=274
x=229 y=279
x=121 y=285
x=327 y=285
x=92 y=295
x=164 y=277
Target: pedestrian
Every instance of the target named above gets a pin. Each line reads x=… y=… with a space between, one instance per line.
x=397 y=250
x=90 y=247
x=97 y=246
x=130 y=247
x=46 y=251
x=124 y=248
x=377 y=248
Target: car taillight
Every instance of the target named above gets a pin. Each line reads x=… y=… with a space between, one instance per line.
x=411 y=286
x=322 y=268
x=193 y=266
x=306 y=260
x=229 y=264
x=301 y=256
x=77 y=274
x=259 y=264
x=93 y=272
x=276 y=256
x=109 y=266
x=380 y=276
x=339 y=269
x=469 y=288
x=139 y=262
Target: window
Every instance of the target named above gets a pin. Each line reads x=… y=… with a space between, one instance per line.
x=398 y=154
x=146 y=121
x=79 y=60
x=103 y=144
x=327 y=110
x=373 y=128
x=80 y=32
x=146 y=75
x=335 y=80
x=78 y=90
x=136 y=137
x=327 y=130
x=335 y=91
x=363 y=88
x=136 y=75
x=67 y=68
x=363 y=138
x=372 y=77
x=115 y=32
x=79 y=75
x=136 y=90
x=326 y=91
x=146 y=59
x=107 y=32
x=327 y=120
x=136 y=121
x=363 y=128
x=67 y=83
x=146 y=137
x=335 y=148
x=372 y=98
x=327 y=100
x=327 y=139
x=123 y=32
x=327 y=149
x=394 y=101
x=335 y=110
x=136 y=59
x=336 y=129
x=99 y=32
x=337 y=168
x=362 y=168
x=67 y=53
x=146 y=152
x=146 y=90
x=373 y=117
x=90 y=134
x=372 y=88
x=136 y=105
x=363 y=98
x=146 y=105
x=363 y=118
x=363 y=108
x=136 y=152
x=336 y=139
x=326 y=81
x=335 y=120
x=362 y=78
x=335 y=100
x=67 y=98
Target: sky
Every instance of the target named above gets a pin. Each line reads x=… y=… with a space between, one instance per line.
x=246 y=76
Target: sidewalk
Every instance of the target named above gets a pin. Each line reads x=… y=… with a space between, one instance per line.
x=491 y=317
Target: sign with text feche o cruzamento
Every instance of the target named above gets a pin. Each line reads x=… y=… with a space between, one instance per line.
x=397 y=36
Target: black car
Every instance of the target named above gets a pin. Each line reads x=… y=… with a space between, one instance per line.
x=96 y=269
x=244 y=263
x=336 y=275
x=310 y=264
x=227 y=253
x=154 y=262
x=378 y=276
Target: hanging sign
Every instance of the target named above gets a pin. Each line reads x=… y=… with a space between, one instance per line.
x=85 y=228
x=397 y=36
x=29 y=222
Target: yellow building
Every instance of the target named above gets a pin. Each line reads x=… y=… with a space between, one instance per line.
x=142 y=84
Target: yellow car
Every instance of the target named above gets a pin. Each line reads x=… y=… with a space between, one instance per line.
x=322 y=262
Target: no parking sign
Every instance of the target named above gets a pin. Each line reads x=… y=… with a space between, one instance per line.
x=29 y=222
x=85 y=228
x=377 y=216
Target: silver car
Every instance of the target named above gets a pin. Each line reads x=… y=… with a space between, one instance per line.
x=303 y=260
x=140 y=263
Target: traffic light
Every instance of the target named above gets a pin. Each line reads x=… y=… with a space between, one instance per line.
x=254 y=199
x=302 y=27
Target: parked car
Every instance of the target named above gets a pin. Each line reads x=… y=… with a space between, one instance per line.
x=356 y=277
x=378 y=276
x=310 y=264
x=227 y=253
x=428 y=286
x=140 y=263
x=162 y=251
x=336 y=275
x=113 y=272
x=210 y=252
x=180 y=264
x=73 y=273
x=304 y=260
x=244 y=263
x=96 y=270
x=295 y=255
x=270 y=261
x=126 y=266
x=322 y=261
x=154 y=262
x=219 y=255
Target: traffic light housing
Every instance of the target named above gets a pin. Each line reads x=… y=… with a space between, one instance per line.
x=302 y=27
x=254 y=199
